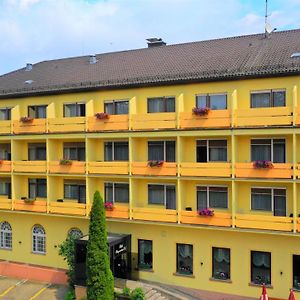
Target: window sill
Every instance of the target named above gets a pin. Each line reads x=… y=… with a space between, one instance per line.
x=38 y=253
x=260 y=285
x=184 y=275
x=220 y=280
x=6 y=249
x=144 y=270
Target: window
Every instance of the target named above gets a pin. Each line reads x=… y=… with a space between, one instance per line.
x=161 y=104
x=37 y=188
x=145 y=257
x=184 y=259
x=75 y=233
x=213 y=101
x=37 y=111
x=74 y=151
x=269 y=199
x=212 y=197
x=74 y=110
x=5 y=113
x=5 y=152
x=5 y=187
x=75 y=191
x=116 y=107
x=116 y=192
x=296 y=272
x=6 y=236
x=221 y=263
x=116 y=151
x=162 y=150
x=269 y=98
x=268 y=149
x=38 y=239
x=37 y=151
x=162 y=195
x=260 y=267
x=211 y=150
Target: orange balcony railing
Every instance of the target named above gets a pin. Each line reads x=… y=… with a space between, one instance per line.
x=113 y=123
x=247 y=170
x=5 y=166
x=75 y=124
x=118 y=212
x=33 y=126
x=214 y=118
x=75 y=167
x=108 y=167
x=264 y=222
x=205 y=169
x=271 y=116
x=142 y=168
x=154 y=121
x=298 y=225
x=33 y=206
x=5 y=203
x=30 y=166
x=5 y=127
x=154 y=214
x=67 y=208
x=218 y=219
x=297 y=171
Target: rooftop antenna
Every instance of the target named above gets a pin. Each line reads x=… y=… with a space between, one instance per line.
x=268 y=27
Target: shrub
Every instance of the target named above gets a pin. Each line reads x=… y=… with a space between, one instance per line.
x=138 y=294
x=70 y=295
x=126 y=291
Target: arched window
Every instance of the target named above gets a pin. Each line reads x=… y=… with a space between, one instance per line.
x=6 y=236
x=75 y=232
x=38 y=239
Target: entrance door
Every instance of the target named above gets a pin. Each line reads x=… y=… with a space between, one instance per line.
x=120 y=266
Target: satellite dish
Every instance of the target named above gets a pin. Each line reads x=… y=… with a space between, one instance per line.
x=269 y=28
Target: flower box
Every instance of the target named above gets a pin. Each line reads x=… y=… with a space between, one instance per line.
x=201 y=111
x=206 y=212
x=65 y=162
x=108 y=205
x=102 y=116
x=29 y=201
x=26 y=119
x=262 y=164
x=155 y=163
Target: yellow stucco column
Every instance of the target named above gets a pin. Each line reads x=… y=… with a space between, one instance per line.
x=132 y=111
x=233 y=107
x=294 y=206
x=179 y=108
x=295 y=103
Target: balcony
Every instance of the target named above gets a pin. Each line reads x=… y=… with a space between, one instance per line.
x=246 y=170
x=264 y=222
x=214 y=119
x=142 y=168
x=75 y=124
x=33 y=206
x=5 y=127
x=108 y=167
x=205 y=169
x=271 y=116
x=154 y=214
x=75 y=167
x=5 y=203
x=154 y=121
x=32 y=166
x=67 y=208
x=113 y=123
x=297 y=171
x=118 y=212
x=33 y=126
x=218 y=219
x=5 y=166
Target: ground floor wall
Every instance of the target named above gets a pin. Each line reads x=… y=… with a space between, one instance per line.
x=164 y=238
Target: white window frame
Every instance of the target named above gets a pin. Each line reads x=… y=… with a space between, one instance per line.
x=207 y=148
x=116 y=101
x=272 y=195
x=207 y=193
x=267 y=91
x=208 y=95
x=75 y=103
x=73 y=230
x=165 y=191
x=4 y=233
x=165 y=147
x=113 y=183
x=36 y=237
x=113 y=147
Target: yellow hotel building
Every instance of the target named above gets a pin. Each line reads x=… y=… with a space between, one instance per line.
x=166 y=133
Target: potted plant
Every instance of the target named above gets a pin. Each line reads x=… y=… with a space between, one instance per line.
x=29 y=200
x=155 y=163
x=206 y=212
x=65 y=162
x=108 y=205
x=201 y=111
x=26 y=119
x=102 y=116
x=262 y=164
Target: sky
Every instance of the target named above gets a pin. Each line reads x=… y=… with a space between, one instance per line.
x=38 y=30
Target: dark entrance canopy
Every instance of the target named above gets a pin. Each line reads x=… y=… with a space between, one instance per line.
x=119 y=254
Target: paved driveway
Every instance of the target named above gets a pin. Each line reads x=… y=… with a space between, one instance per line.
x=16 y=289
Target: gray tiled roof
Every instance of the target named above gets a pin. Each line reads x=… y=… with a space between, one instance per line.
x=221 y=59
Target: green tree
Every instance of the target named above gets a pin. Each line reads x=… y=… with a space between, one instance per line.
x=100 y=281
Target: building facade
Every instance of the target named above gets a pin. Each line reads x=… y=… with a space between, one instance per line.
x=196 y=145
